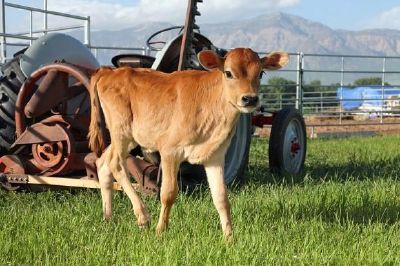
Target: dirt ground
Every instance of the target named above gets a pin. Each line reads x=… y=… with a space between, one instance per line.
x=351 y=126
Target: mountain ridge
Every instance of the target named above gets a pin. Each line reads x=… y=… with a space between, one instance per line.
x=273 y=31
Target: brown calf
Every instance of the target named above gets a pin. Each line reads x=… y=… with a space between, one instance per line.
x=185 y=116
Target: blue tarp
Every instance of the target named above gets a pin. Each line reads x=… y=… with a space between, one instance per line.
x=353 y=98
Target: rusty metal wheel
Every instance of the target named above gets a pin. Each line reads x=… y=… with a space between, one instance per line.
x=52 y=157
x=48 y=155
x=287 y=143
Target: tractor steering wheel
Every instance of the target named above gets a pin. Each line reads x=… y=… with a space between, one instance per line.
x=150 y=43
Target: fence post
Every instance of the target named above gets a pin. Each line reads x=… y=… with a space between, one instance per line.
x=299 y=87
x=383 y=87
x=341 y=91
x=3 y=52
x=321 y=101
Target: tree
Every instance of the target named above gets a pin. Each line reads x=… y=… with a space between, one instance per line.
x=281 y=85
x=369 y=81
x=314 y=85
x=279 y=93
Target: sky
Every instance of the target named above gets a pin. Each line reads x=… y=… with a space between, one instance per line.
x=118 y=14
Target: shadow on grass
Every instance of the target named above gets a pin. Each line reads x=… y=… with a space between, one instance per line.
x=356 y=169
x=370 y=212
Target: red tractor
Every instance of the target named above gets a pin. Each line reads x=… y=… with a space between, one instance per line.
x=45 y=112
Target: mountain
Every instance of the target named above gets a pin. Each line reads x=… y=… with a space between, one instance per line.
x=296 y=34
x=270 y=32
x=280 y=31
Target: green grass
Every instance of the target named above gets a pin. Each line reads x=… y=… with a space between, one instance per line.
x=345 y=210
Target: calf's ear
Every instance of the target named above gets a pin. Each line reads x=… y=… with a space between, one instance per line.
x=275 y=60
x=210 y=60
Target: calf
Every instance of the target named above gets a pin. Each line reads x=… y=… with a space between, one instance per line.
x=185 y=116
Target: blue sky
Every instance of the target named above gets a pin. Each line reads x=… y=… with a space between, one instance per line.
x=117 y=14
x=350 y=14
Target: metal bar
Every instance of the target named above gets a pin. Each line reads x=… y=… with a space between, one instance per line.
x=15 y=36
x=287 y=70
x=341 y=89
x=335 y=55
x=3 y=40
x=349 y=71
x=383 y=87
x=351 y=56
x=352 y=124
x=44 y=16
x=299 y=81
x=30 y=26
x=87 y=31
x=18 y=44
x=321 y=101
x=44 y=11
x=82 y=182
x=51 y=30
x=116 y=48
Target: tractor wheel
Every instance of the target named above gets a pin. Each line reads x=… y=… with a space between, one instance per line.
x=287 y=143
x=236 y=159
x=237 y=156
x=10 y=84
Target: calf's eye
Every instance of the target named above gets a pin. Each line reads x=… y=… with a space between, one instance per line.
x=228 y=75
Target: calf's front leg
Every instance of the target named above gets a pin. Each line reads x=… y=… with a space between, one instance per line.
x=215 y=177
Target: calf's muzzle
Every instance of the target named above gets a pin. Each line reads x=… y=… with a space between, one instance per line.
x=250 y=100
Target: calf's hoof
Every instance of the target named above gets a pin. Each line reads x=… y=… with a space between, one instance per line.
x=106 y=217
x=143 y=221
x=161 y=228
x=228 y=234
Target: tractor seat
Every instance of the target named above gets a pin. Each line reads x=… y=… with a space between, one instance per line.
x=133 y=60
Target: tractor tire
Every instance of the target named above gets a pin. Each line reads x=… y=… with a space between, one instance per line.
x=287 y=143
x=236 y=159
x=237 y=155
x=10 y=84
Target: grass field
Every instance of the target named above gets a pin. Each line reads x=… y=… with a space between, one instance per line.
x=345 y=210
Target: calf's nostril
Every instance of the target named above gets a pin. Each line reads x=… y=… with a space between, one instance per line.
x=249 y=100
x=245 y=99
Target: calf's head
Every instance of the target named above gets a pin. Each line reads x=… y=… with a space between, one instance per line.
x=242 y=70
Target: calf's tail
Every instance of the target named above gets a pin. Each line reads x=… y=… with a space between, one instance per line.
x=97 y=128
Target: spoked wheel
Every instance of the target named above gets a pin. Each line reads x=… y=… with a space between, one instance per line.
x=288 y=142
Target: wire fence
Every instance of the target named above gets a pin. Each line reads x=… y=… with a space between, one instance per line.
x=336 y=87
x=313 y=83
x=24 y=39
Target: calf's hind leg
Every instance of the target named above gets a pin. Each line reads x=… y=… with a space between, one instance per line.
x=117 y=164
x=106 y=185
x=169 y=189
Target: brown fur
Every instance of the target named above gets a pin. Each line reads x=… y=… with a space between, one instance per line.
x=186 y=116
